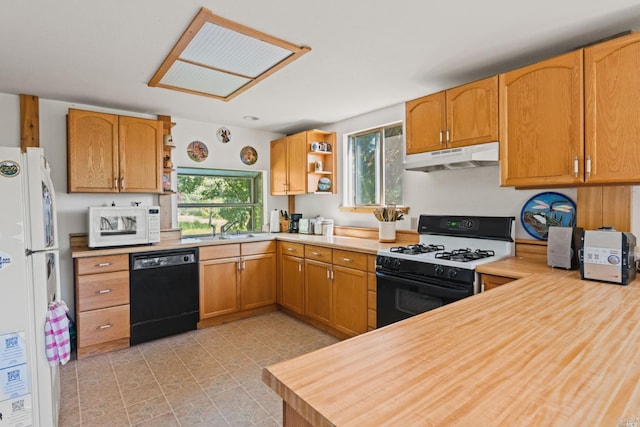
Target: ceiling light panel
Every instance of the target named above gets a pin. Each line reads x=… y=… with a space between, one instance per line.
x=199 y=79
x=219 y=58
x=228 y=50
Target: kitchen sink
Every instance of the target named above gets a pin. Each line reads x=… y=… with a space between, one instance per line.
x=238 y=236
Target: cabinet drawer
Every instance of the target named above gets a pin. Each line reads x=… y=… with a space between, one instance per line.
x=255 y=248
x=288 y=248
x=219 y=251
x=350 y=259
x=104 y=325
x=318 y=253
x=103 y=290
x=102 y=264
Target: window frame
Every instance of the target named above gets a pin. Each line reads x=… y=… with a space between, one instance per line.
x=349 y=199
x=256 y=192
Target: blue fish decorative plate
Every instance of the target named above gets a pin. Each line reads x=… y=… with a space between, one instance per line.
x=547 y=209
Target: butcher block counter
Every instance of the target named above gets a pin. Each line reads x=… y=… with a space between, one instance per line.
x=543 y=350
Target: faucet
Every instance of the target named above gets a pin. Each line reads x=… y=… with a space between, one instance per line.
x=227 y=226
x=213 y=230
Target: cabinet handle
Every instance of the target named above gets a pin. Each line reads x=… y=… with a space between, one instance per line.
x=243 y=265
x=588 y=167
x=576 y=165
x=347 y=259
x=122 y=183
x=291 y=249
x=103 y=264
x=331 y=274
x=299 y=267
x=104 y=291
x=238 y=266
x=447 y=136
x=115 y=183
x=316 y=253
x=440 y=136
x=107 y=326
x=328 y=274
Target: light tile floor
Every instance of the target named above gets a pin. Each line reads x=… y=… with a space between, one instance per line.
x=209 y=377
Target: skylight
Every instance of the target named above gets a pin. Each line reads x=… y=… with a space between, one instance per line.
x=219 y=58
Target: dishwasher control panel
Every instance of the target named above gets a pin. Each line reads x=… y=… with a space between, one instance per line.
x=158 y=260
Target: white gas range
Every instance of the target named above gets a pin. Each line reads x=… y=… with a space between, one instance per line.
x=440 y=269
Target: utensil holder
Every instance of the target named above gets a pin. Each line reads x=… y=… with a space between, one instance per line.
x=387 y=231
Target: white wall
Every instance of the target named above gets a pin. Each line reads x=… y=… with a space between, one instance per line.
x=72 y=208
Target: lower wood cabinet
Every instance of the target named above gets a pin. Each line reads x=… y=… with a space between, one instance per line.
x=318 y=290
x=236 y=278
x=292 y=283
x=102 y=303
x=490 y=281
x=349 y=300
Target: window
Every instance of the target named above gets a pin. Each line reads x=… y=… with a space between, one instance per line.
x=214 y=197
x=374 y=167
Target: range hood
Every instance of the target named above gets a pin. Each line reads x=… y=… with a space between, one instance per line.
x=472 y=156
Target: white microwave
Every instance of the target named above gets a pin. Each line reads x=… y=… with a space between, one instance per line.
x=120 y=226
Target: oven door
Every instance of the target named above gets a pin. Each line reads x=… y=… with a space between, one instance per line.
x=399 y=298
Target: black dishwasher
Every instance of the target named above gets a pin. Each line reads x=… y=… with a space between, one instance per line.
x=164 y=293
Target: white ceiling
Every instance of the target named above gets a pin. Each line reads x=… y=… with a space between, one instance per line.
x=366 y=54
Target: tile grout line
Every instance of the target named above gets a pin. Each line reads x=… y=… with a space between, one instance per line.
x=124 y=404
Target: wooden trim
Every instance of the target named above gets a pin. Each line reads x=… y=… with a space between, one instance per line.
x=205 y=16
x=29 y=122
x=369 y=209
x=101 y=348
x=226 y=318
x=402 y=236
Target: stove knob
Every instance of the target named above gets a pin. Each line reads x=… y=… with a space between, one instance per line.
x=386 y=261
x=452 y=273
x=396 y=263
x=438 y=270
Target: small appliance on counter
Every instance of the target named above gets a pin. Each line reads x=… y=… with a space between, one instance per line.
x=305 y=226
x=607 y=256
x=294 y=222
x=563 y=245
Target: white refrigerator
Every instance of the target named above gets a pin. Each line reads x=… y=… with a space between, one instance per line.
x=29 y=281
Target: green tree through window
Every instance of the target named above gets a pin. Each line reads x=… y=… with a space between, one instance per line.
x=374 y=167
x=214 y=197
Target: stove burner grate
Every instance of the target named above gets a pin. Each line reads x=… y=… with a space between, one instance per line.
x=465 y=255
x=419 y=248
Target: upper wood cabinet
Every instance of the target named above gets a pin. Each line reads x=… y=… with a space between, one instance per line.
x=541 y=123
x=464 y=115
x=293 y=163
x=612 y=111
x=108 y=153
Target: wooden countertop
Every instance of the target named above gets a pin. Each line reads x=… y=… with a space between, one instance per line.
x=542 y=350
x=369 y=246
x=519 y=267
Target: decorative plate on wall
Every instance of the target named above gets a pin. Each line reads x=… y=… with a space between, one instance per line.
x=224 y=135
x=324 y=184
x=248 y=155
x=547 y=209
x=197 y=151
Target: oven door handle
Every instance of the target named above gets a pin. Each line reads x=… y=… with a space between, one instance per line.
x=431 y=288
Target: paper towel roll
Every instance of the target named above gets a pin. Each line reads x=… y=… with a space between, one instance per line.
x=274 y=222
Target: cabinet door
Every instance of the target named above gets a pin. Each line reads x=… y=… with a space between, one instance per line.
x=349 y=300
x=292 y=276
x=425 y=119
x=258 y=281
x=297 y=163
x=140 y=151
x=541 y=123
x=612 y=104
x=219 y=287
x=472 y=113
x=317 y=291
x=92 y=152
x=279 y=167
x=490 y=282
